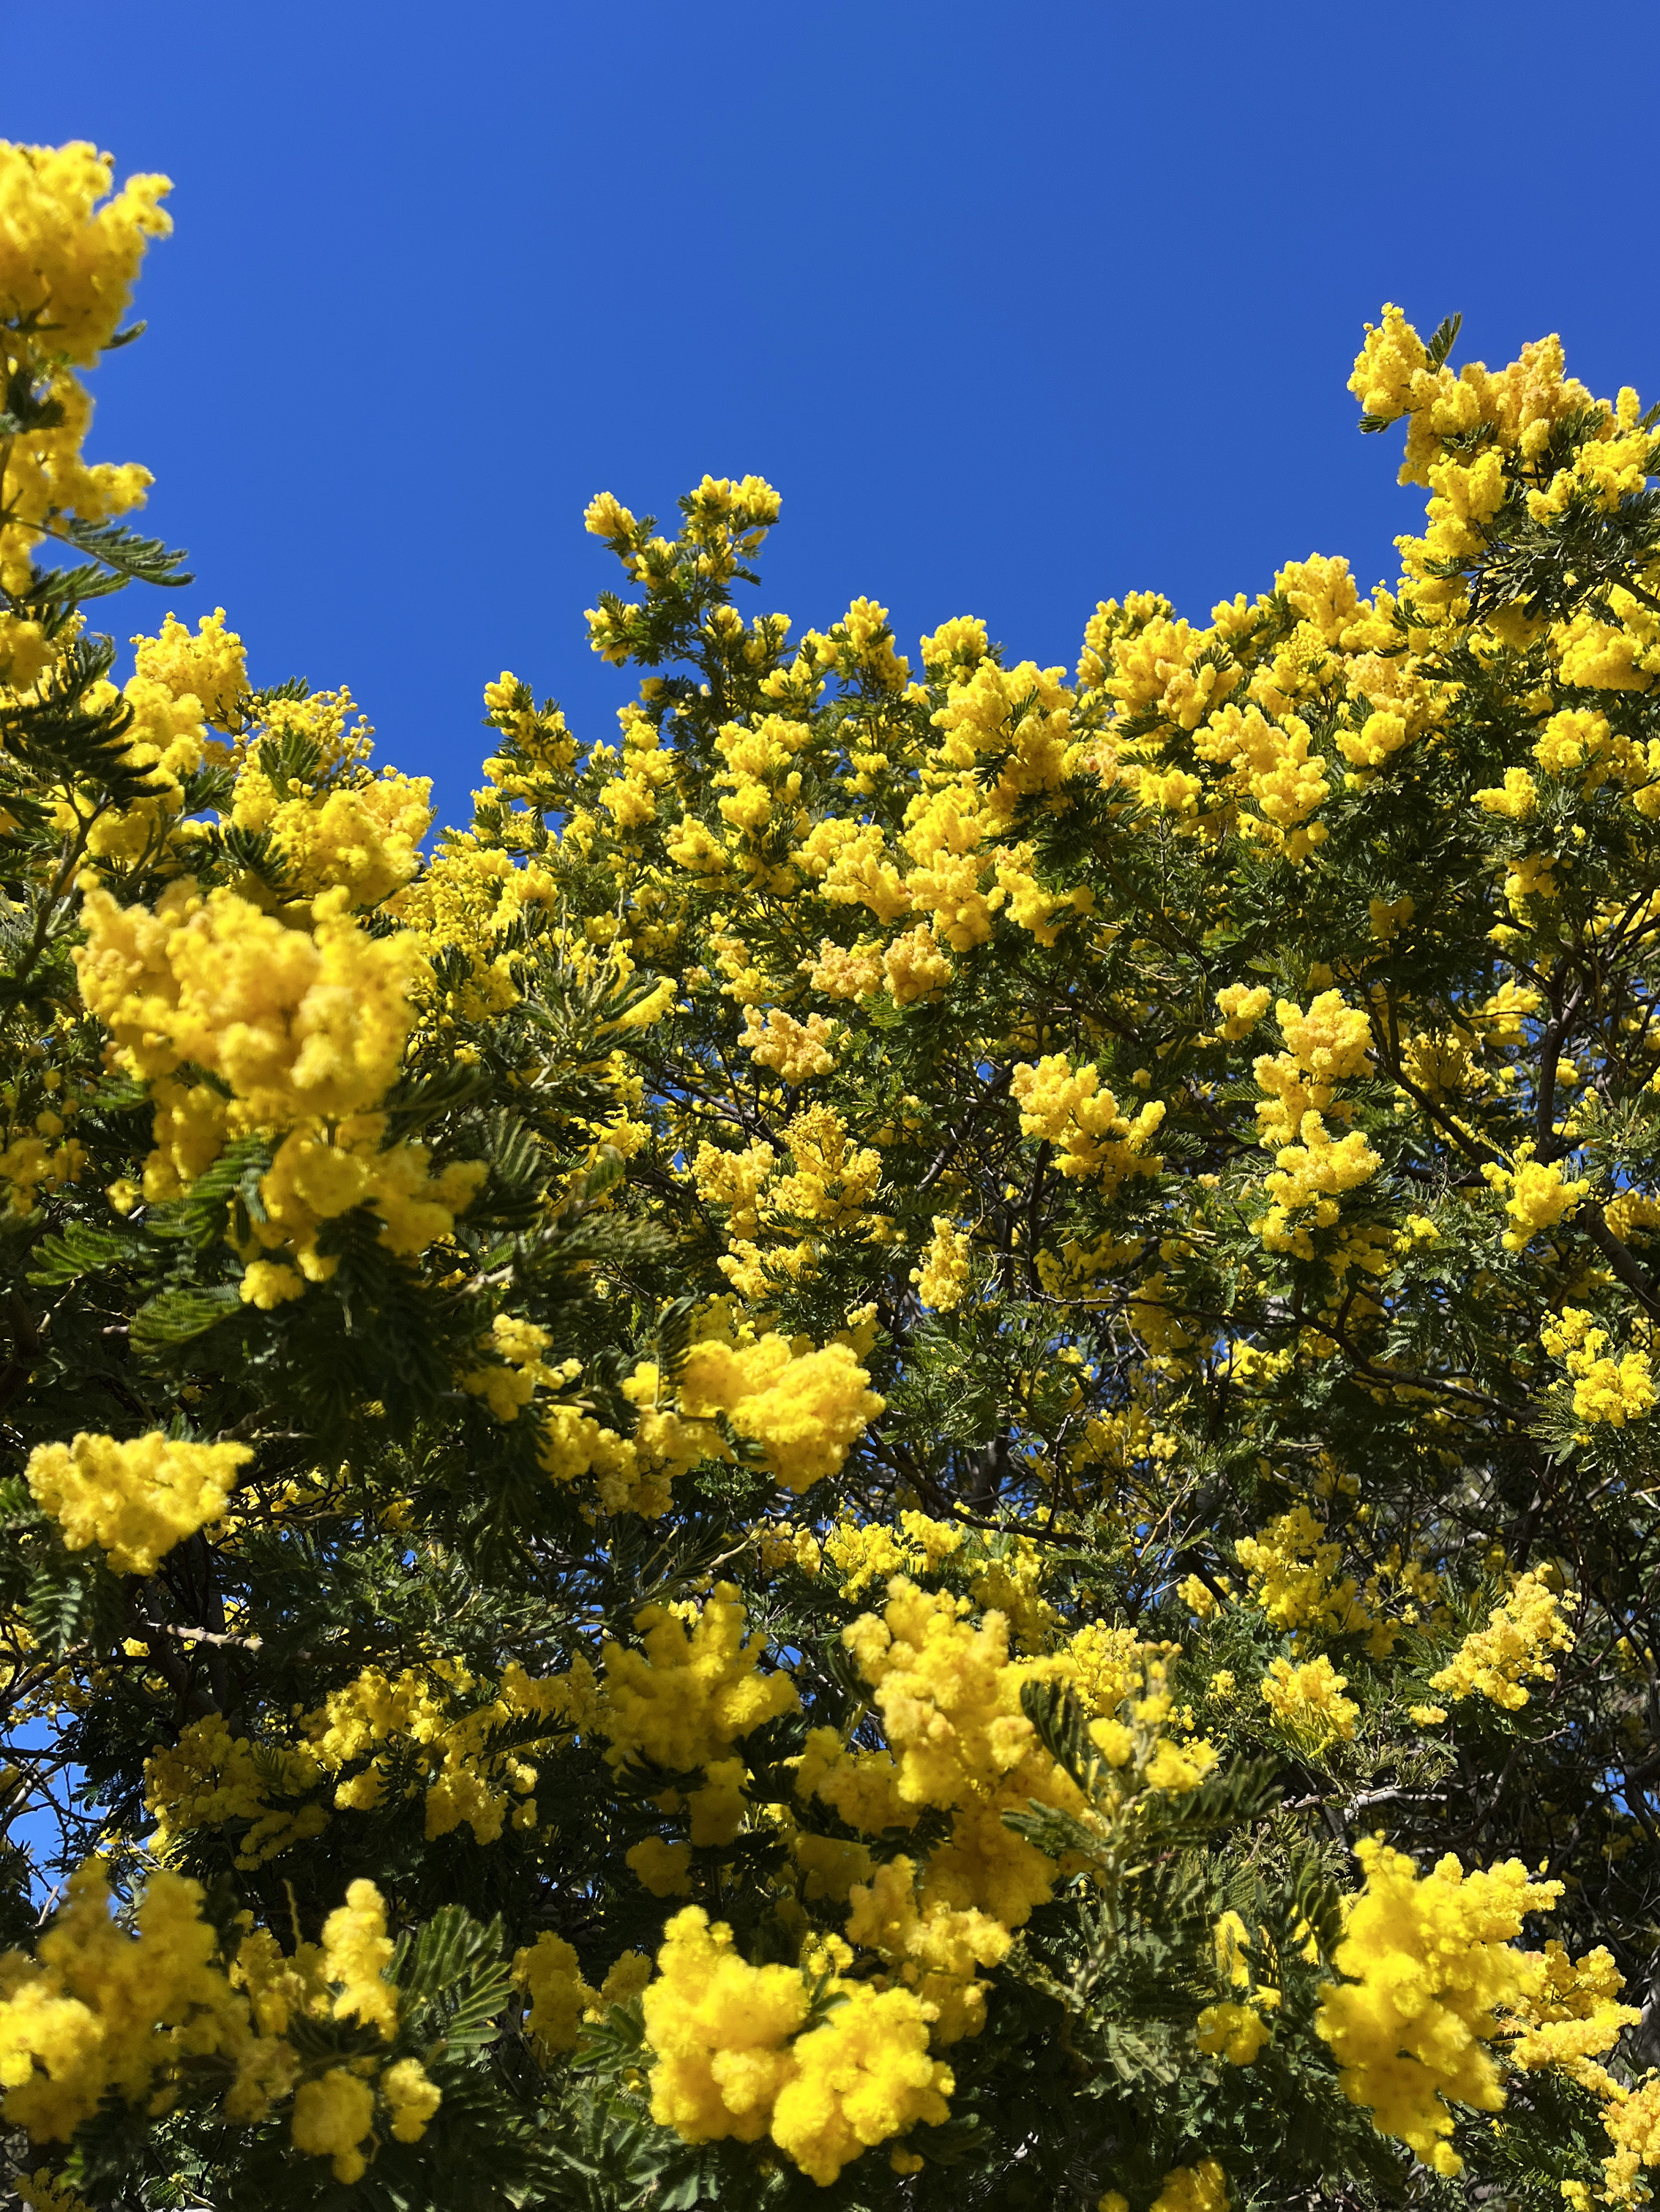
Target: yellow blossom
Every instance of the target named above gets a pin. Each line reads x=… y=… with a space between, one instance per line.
x=1307 y=1701
x=1427 y=1964
x=1496 y=1660
x=137 y=1500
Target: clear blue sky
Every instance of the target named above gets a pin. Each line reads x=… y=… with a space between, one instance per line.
x=1018 y=305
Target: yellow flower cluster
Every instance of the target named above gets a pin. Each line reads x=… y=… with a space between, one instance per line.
x=734 y=2055
x=861 y=2077
x=468 y=911
x=957 y=1741
x=361 y=836
x=1519 y=405
x=1236 y=2032
x=212 y=1776
x=136 y=1500
x=864 y=1552
x=1604 y=1388
x=804 y=1408
x=832 y=1178
x=344 y=1978
x=1569 y=2014
x=66 y=261
x=1293 y=1570
x=301 y=1027
x=103 y=2011
x=1496 y=1661
x=31 y=1163
x=1307 y=1701
x=210 y=667
x=182 y=686
x=1242 y=1005
x=67 y=268
x=929 y=1944
x=776 y=1222
x=99 y=2011
x=1202 y=2188
x=448 y=1720
x=1269 y=763
x=1067 y=1109
x=801 y=1408
x=1632 y=2124
x=797 y=1051
x=682 y=1702
x=468 y=1781
x=1326 y=1044
x=1427 y=1966
x=549 y=1975
x=1535 y=1199
x=1021 y=715
x=631 y=1474
x=942 y=1279
x=304 y=1029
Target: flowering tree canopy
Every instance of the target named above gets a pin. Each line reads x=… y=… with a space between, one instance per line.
x=892 y=1449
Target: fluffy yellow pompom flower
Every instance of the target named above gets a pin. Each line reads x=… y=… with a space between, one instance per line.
x=664 y=1868
x=296 y=1022
x=1309 y=1701
x=805 y=1409
x=210 y=667
x=1569 y=2014
x=333 y=2117
x=1295 y=1575
x=1427 y=1964
x=25 y=652
x=136 y=1499
x=1330 y=1040
x=356 y=1952
x=1387 y=364
x=1202 y=2188
x=934 y=1950
x=100 y=2011
x=796 y=1050
x=1604 y=1388
x=1234 y=2032
x=1069 y=1110
x=1539 y=1197
x=1632 y=2125
x=305 y=1029
x=412 y=2097
x=1023 y=715
x=863 y=2076
x=1514 y=1648
x=914 y=967
x=67 y=266
x=718 y=2029
x=605 y=516
x=686 y=1700
x=65 y=260
x=361 y=836
x=212 y=1776
x=547 y=1970
x=949 y=1697
x=1242 y=1006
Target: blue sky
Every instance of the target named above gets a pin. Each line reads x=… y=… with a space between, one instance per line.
x=1019 y=307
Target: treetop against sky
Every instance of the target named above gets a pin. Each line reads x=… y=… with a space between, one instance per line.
x=1018 y=314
